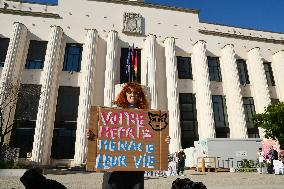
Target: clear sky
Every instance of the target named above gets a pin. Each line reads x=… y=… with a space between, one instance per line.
x=255 y=14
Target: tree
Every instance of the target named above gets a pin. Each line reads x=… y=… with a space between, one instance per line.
x=272 y=121
x=24 y=98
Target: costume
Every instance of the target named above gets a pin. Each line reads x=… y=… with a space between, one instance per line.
x=172 y=166
x=123 y=179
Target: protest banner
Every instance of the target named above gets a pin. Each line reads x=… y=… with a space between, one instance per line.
x=128 y=140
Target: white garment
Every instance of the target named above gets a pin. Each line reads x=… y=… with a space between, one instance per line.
x=172 y=169
x=260 y=157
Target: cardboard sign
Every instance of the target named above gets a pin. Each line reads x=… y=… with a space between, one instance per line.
x=128 y=140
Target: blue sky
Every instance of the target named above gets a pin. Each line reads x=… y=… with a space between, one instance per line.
x=255 y=14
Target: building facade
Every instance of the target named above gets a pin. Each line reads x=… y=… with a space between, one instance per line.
x=211 y=78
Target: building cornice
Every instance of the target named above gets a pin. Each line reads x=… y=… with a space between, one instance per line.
x=238 y=27
x=150 y=5
x=29 y=13
x=23 y=1
x=237 y=36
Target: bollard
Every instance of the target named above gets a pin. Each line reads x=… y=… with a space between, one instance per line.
x=203 y=165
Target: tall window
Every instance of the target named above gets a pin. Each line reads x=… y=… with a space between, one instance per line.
x=188 y=120
x=249 y=111
x=220 y=116
x=124 y=75
x=269 y=74
x=184 y=67
x=36 y=55
x=4 y=44
x=22 y=135
x=72 y=57
x=243 y=72
x=64 y=133
x=214 y=69
x=274 y=100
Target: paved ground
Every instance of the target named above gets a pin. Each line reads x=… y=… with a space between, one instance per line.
x=77 y=180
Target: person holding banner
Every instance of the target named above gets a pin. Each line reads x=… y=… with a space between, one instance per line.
x=131 y=96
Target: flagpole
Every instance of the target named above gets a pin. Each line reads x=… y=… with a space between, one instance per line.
x=128 y=64
x=132 y=62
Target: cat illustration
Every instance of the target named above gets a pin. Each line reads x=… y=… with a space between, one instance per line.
x=158 y=122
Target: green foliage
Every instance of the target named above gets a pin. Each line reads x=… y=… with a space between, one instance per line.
x=247 y=163
x=247 y=166
x=246 y=170
x=272 y=120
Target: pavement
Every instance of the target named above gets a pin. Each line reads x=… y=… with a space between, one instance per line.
x=222 y=180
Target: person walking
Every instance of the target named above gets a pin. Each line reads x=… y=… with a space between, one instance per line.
x=181 y=162
x=260 y=160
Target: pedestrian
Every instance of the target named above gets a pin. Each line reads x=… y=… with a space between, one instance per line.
x=172 y=165
x=260 y=156
x=273 y=156
x=181 y=162
x=131 y=96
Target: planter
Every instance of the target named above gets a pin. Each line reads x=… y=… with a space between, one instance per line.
x=12 y=172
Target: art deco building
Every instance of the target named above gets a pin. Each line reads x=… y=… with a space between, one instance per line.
x=210 y=77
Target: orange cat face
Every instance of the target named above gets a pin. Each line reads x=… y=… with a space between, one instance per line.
x=158 y=122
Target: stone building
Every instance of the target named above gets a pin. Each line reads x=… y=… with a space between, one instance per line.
x=210 y=77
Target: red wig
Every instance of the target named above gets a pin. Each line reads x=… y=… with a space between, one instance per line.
x=121 y=99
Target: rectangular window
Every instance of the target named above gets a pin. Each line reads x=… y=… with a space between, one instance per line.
x=274 y=100
x=249 y=109
x=67 y=104
x=36 y=54
x=188 y=120
x=125 y=76
x=22 y=134
x=184 y=67
x=214 y=69
x=220 y=116
x=243 y=72
x=64 y=133
x=4 y=44
x=72 y=57
x=269 y=74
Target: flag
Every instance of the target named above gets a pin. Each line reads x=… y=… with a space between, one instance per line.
x=129 y=65
x=135 y=65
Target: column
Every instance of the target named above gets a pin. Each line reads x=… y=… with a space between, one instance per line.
x=152 y=68
x=259 y=83
x=11 y=75
x=88 y=70
x=47 y=103
x=278 y=71
x=172 y=94
x=16 y=55
x=206 y=128
x=232 y=90
x=110 y=70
